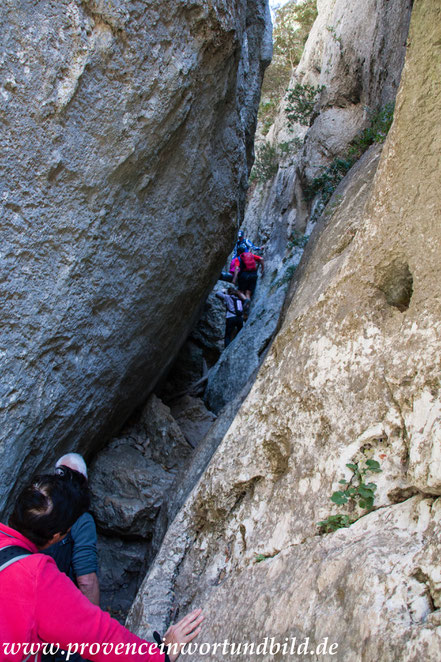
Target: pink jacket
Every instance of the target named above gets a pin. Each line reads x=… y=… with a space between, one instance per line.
x=38 y=603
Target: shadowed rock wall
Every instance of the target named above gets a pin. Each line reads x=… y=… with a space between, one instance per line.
x=127 y=127
x=352 y=375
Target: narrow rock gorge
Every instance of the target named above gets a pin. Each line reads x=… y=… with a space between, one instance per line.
x=352 y=376
x=130 y=131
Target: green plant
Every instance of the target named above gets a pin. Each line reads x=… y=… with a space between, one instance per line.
x=361 y=493
x=376 y=132
x=356 y=492
x=267 y=113
x=301 y=102
x=291 y=147
x=297 y=239
x=289 y=273
x=292 y=25
x=266 y=163
x=263 y=557
x=334 y=522
x=333 y=31
x=267 y=159
x=327 y=181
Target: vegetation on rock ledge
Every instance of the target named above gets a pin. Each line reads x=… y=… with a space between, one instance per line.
x=355 y=492
x=327 y=181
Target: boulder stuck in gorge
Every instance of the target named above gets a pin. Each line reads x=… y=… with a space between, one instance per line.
x=129 y=131
x=131 y=477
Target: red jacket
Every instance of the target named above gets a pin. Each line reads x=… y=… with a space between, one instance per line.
x=38 y=603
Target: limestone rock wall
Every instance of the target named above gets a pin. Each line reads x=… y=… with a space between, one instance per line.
x=127 y=128
x=352 y=375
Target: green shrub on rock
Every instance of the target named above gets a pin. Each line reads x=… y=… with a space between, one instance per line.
x=301 y=102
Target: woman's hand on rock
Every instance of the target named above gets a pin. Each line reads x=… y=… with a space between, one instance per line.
x=183 y=632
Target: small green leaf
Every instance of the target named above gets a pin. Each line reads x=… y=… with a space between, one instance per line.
x=374 y=466
x=334 y=522
x=354 y=467
x=365 y=492
x=339 y=498
x=342 y=481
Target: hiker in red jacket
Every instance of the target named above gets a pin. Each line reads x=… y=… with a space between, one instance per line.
x=246 y=273
x=39 y=604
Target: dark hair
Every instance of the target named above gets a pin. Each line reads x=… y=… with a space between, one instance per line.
x=241 y=249
x=50 y=504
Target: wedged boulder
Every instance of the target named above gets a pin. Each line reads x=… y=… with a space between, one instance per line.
x=131 y=477
x=127 y=490
x=129 y=133
x=159 y=435
x=193 y=418
x=353 y=375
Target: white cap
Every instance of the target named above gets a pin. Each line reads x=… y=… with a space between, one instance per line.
x=74 y=461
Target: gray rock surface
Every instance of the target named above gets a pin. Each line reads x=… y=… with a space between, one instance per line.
x=209 y=332
x=128 y=490
x=128 y=131
x=130 y=479
x=352 y=375
x=121 y=567
x=199 y=353
x=193 y=418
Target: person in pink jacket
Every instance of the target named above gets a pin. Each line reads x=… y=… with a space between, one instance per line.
x=39 y=604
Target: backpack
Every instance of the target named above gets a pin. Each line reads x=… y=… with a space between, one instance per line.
x=61 y=552
x=10 y=554
x=247 y=262
x=238 y=312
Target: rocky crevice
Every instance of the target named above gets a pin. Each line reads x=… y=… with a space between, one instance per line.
x=352 y=370
x=235 y=369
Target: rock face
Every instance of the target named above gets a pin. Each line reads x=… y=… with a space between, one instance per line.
x=352 y=375
x=193 y=418
x=122 y=563
x=132 y=482
x=131 y=477
x=128 y=131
